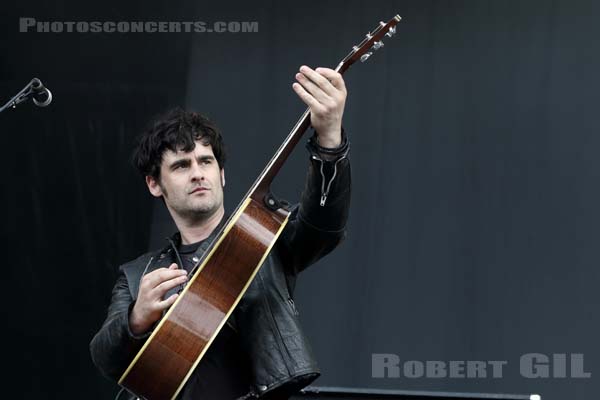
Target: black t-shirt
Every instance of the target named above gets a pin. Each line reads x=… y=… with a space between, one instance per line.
x=224 y=371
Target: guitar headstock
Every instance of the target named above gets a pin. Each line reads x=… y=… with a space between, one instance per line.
x=372 y=42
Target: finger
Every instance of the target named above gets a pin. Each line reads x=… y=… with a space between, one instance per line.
x=168 y=302
x=319 y=80
x=165 y=286
x=156 y=277
x=312 y=88
x=307 y=98
x=335 y=78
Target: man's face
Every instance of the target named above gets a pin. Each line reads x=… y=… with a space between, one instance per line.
x=190 y=183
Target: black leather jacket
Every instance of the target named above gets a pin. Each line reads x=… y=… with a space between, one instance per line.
x=267 y=319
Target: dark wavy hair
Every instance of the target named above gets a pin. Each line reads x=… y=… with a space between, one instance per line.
x=175 y=130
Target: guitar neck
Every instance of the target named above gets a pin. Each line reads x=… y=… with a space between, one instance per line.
x=363 y=51
x=262 y=184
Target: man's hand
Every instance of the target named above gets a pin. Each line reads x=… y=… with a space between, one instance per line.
x=149 y=305
x=324 y=91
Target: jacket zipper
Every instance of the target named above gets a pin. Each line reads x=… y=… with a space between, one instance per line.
x=325 y=190
x=293 y=305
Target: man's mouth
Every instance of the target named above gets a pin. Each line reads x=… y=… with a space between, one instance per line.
x=199 y=189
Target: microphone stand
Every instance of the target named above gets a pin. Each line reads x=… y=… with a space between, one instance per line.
x=28 y=91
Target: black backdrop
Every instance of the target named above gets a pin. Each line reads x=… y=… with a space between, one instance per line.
x=474 y=139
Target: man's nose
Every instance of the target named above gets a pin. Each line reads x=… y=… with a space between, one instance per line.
x=197 y=173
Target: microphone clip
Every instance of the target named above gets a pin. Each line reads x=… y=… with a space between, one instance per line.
x=35 y=90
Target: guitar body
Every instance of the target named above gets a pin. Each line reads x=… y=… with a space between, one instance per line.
x=169 y=356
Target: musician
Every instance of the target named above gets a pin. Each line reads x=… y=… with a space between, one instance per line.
x=261 y=352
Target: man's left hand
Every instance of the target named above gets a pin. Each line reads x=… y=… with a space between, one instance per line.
x=324 y=91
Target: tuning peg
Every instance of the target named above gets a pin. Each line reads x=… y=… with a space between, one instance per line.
x=377 y=45
x=365 y=56
x=391 y=32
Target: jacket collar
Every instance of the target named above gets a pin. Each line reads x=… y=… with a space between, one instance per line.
x=174 y=241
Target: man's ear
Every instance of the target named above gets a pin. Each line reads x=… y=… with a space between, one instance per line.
x=153 y=186
x=223 y=177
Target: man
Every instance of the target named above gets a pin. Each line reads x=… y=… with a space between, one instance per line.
x=261 y=352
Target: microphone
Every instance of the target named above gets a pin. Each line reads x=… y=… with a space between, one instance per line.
x=35 y=90
x=41 y=95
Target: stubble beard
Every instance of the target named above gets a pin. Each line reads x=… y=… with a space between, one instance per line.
x=197 y=213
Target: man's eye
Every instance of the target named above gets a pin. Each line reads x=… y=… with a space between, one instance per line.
x=206 y=162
